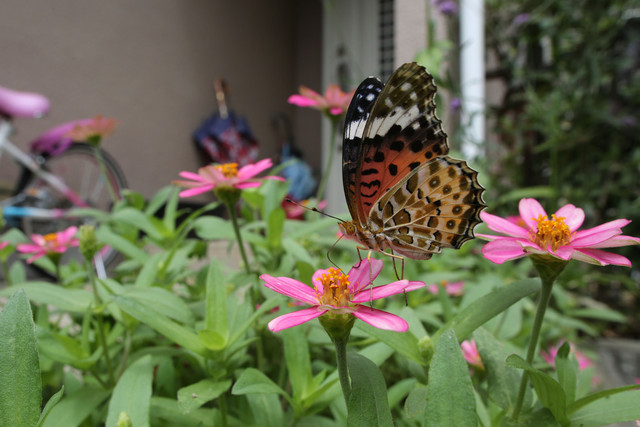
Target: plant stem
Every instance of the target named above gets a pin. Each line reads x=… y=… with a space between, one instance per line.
x=343 y=369
x=101 y=335
x=234 y=221
x=543 y=302
x=327 y=168
x=222 y=400
x=5 y=273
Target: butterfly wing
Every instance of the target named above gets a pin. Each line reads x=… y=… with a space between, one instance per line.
x=352 y=147
x=435 y=206
x=401 y=133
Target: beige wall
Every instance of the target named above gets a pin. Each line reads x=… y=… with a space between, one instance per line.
x=151 y=66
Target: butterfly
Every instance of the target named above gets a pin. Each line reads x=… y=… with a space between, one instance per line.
x=403 y=191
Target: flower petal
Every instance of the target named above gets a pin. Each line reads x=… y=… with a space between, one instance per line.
x=381 y=319
x=573 y=217
x=611 y=225
x=295 y=318
x=301 y=101
x=501 y=225
x=594 y=238
x=291 y=288
x=195 y=191
x=251 y=170
x=503 y=250
x=192 y=176
x=617 y=242
x=364 y=273
x=530 y=210
x=386 y=290
x=598 y=257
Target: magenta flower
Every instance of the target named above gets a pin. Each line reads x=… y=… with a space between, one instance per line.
x=557 y=236
x=453 y=288
x=226 y=175
x=471 y=353
x=334 y=102
x=3 y=245
x=49 y=244
x=550 y=356
x=335 y=292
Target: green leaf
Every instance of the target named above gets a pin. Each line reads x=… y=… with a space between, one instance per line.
x=138 y=220
x=121 y=244
x=275 y=224
x=73 y=300
x=17 y=273
x=266 y=409
x=368 y=404
x=296 y=354
x=614 y=408
x=216 y=302
x=416 y=403
x=166 y=412
x=149 y=271
x=450 y=395
x=485 y=308
x=297 y=251
x=161 y=324
x=253 y=381
x=195 y=395
x=503 y=382
x=75 y=407
x=549 y=391
x=567 y=372
x=51 y=403
x=64 y=349
x=132 y=394
x=212 y=339
x=20 y=393
x=597 y=396
x=404 y=343
x=213 y=227
x=165 y=302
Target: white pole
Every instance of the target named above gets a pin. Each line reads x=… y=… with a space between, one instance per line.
x=472 y=76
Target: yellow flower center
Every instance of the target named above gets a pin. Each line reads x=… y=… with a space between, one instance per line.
x=552 y=233
x=229 y=170
x=51 y=237
x=335 y=285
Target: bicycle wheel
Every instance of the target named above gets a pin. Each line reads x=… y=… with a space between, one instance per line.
x=80 y=170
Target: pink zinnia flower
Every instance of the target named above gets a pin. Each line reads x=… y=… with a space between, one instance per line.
x=226 y=175
x=49 y=244
x=341 y=294
x=334 y=102
x=557 y=236
x=550 y=356
x=471 y=353
x=452 y=288
x=3 y=245
x=97 y=128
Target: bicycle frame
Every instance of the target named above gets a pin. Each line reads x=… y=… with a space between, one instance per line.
x=29 y=162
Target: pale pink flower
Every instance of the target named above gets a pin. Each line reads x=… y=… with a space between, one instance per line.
x=557 y=236
x=471 y=353
x=297 y=210
x=3 y=245
x=98 y=127
x=334 y=102
x=341 y=294
x=226 y=175
x=550 y=356
x=49 y=244
x=453 y=288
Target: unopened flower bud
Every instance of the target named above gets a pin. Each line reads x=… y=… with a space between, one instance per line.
x=89 y=244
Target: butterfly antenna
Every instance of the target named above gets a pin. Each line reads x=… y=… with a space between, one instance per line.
x=314 y=209
x=329 y=252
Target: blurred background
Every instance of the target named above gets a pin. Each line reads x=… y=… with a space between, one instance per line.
x=541 y=96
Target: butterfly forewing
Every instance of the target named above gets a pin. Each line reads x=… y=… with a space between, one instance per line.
x=401 y=133
x=355 y=122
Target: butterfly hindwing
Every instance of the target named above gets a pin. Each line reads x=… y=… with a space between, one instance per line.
x=436 y=206
x=355 y=121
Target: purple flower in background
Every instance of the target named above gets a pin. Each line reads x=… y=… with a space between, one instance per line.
x=446 y=7
x=455 y=105
x=521 y=19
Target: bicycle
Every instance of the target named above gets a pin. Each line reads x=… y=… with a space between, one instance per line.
x=56 y=175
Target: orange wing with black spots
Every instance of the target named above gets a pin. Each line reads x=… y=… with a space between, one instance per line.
x=402 y=189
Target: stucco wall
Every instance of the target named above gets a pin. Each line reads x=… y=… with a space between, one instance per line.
x=151 y=65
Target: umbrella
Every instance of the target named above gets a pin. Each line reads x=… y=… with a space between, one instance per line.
x=225 y=137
